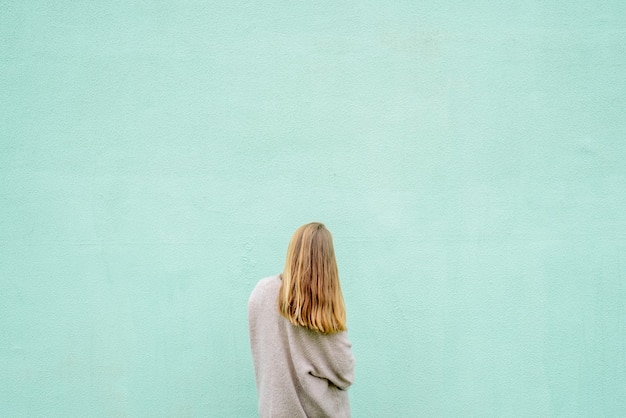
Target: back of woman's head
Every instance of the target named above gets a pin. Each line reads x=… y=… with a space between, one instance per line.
x=310 y=294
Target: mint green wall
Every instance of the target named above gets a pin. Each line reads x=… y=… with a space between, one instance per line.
x=468 y=157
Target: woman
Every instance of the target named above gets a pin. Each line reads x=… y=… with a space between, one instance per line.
x=303 y=360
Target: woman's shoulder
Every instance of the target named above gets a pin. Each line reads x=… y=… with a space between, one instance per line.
x=269 y=282
x=266 y=285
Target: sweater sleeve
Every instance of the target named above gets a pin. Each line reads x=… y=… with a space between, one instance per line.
x=327 y=357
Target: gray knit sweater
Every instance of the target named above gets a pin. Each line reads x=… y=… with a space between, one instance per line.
x=299 y=372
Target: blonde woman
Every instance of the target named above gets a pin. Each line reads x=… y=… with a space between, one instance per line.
x=303 y=360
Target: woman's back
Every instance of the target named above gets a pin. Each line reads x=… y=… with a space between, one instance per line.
x=299 y=372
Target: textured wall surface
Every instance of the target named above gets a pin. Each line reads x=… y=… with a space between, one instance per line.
x=468 y=157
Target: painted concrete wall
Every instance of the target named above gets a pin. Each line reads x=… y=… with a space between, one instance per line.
x=468 y=157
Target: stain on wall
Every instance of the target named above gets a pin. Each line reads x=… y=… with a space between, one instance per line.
x=468 y=158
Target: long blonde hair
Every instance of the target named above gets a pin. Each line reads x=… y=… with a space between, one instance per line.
x=310 y=294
